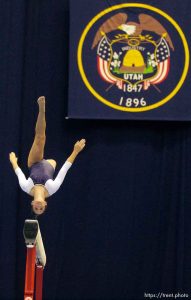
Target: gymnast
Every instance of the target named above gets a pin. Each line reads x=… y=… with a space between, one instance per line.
x=40 y=183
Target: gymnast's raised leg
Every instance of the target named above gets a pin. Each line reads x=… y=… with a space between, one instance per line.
x=36 y=153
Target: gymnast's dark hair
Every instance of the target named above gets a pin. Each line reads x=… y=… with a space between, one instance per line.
x=33 y=215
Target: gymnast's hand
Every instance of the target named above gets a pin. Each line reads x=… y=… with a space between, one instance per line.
x=79 y=145
x=13 y=159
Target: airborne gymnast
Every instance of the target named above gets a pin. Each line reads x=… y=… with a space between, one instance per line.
x=40 y=184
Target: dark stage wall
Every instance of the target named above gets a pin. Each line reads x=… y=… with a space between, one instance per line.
x=119 y=226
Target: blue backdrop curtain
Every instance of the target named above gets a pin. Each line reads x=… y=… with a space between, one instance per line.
x=120 y=225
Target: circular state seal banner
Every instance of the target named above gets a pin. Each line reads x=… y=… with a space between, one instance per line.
x=133 y=57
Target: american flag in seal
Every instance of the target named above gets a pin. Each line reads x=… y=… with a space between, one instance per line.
x=162 y=56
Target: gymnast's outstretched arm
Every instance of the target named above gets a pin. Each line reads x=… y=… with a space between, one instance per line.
x=25 y=184
x=53 y=185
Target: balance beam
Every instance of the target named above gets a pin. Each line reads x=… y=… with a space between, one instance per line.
x=33 y=237
x=35 y=256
